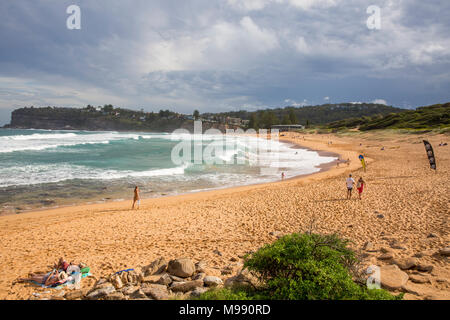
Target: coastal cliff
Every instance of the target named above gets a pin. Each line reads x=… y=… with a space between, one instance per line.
x=91 y=119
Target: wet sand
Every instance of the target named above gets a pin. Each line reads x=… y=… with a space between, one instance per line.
x=413 y=200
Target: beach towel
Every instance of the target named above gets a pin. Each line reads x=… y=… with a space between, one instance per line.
x=60 y=286
x=127 y=270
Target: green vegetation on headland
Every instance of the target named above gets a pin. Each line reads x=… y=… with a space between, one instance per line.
x=307 y=115
x=303 y=267
x=424 y=118
x=325 y=118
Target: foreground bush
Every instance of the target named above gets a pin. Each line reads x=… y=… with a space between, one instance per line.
x=303 y=267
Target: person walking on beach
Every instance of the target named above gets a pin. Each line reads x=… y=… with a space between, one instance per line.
x=360 y=186
x=350 y=182
x=137 y=197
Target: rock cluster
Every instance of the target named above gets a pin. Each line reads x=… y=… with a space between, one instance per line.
x=163 y=280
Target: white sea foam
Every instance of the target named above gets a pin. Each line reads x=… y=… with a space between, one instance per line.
x=40 y=174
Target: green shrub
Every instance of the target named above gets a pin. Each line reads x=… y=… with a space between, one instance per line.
x=303 y=267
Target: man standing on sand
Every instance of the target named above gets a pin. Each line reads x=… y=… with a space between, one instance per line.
x=137 y=197
x=350 y=182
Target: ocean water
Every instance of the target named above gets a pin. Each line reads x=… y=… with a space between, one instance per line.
x=45 y=168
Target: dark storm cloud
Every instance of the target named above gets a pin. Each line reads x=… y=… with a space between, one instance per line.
x=218 y=55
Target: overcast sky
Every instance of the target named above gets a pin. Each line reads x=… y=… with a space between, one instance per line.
x=222 y=55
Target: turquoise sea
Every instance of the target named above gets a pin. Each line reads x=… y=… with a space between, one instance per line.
x=45 y=168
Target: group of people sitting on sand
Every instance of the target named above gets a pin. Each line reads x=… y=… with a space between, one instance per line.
x=62 y=273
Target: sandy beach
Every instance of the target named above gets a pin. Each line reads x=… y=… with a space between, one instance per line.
x=404 y=211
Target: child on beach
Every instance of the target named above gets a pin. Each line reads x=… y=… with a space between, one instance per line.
x=360 y=186
x=350 y=182
x=137 y=198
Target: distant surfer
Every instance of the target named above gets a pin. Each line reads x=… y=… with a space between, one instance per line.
x=137 y=198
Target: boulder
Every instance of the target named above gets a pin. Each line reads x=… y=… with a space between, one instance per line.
x=116 y=296
x=183 y=267
x=151 y=279
x=138 y=294
x=199 y=276
x=156 y=267
x=116 y=281
x=405 y=263
x=186 y=286
x=165 y=279
x=417 y=278
x=101 y=293
x=177 y=279
x=368 y=246
x=200 y=266
x=128 y=290
x=198 y=291
x=243 y=279
x=386 y=256
x=424 y=267
x=211 y=281
x=73 y=295
x=392 y=278
x=445 y=252
x=156 y=291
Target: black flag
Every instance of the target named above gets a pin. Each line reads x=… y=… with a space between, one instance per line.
x=430 y=154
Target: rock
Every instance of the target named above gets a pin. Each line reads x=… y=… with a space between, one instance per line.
x=183 y=267
x=380 y=216
x=116 y=296
x=417 y=289
x=198 y=291
x=130 y=289
x=101 y=283
x=386 y=256
x=156 y=267
x=405 y=264
x=138 y=294
x=432 y=235
x=276 y=234
x=243 y=279
x=165 y=279
x=217 y=252
x=156 y=291
x=416 y=278
x=233 y=259
x=419 y=255
x=152 y=279
x=100 y=293
x=177 y=279
x=398 y=246
x=392 y=278
x=211 y=281
x=200 y=266
x=116 y=281
x=386 y=250
x=424 y=268
x=445 y=252
x=73 y=295
x=186 y=286
x=368 y=246
x=199 y=276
